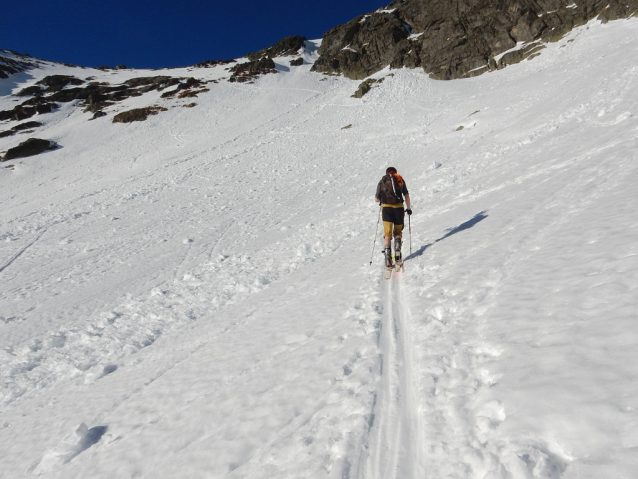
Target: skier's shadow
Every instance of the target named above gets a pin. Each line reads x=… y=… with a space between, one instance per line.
x=452 y=231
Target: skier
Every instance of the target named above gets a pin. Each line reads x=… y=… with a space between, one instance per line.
x=391 y=191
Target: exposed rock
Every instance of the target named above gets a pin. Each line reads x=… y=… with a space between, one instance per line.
x=32 y=90
x=12 y=62
x=47 y=107
x=20 y=113
x=24 y=111
x=213 y=63
x=188 y=84
x=28 y=125
x=96 y=96
x=98 y=114
x=296 y=63
x=157 y=82
x=455 y=39
x=6 y=115
x=70 y=94
x=244 y=72
x=137 y=114
x=192 y=93
x=31 y=147
x=6 y=70
x=527 y=52
x=54 y=83
x=366 y=86
x=360 y=48
x=285 y=47
x=96 y=106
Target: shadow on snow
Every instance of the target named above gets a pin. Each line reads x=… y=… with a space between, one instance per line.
x=452 y=231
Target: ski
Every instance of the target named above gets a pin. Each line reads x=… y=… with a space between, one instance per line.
x=389 y=266
x=394 y=271
x=387 y=274
x=398 y=270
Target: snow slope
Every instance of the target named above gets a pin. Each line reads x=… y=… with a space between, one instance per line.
x=191 y=296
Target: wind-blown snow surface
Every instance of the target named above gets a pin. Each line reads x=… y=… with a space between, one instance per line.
x=190 y=297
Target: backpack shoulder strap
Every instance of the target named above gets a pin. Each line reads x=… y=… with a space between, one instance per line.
x=396 y=189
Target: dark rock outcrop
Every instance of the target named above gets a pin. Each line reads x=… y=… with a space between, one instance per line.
x=213 y=63
x=29 y=91
x=12 y=62
x=455 y=39
x=185 y=85
x=27 y=110
x=31 y=147
x=54 y=83
x=137 y=114
x=248 y=71
x=297 y=62
x=366 y=86
x=27 y=125
x=6 y=70
x=363 y=46
x=284 y=47
x=98 y=114
x=152 y=83
x=95 y=96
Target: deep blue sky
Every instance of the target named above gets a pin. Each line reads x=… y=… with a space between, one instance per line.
x=158 y=33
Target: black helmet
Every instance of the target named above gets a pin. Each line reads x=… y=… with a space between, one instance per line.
x=390 y=169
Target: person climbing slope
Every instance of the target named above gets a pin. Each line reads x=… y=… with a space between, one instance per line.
x=391 y=192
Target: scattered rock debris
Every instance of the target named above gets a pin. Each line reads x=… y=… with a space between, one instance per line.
x=137 y=114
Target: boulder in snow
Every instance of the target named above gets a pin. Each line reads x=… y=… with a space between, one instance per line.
x=137 y=114
x=250 y=70
x=54 y=83
x=31 y=147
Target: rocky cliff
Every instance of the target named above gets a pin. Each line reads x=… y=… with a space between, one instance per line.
x=12 y=63
x=456 y=38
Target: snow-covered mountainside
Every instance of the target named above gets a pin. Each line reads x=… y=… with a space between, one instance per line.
x=190 y=296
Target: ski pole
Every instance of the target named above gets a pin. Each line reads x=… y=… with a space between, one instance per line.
x=376 y=231
x=410 y=228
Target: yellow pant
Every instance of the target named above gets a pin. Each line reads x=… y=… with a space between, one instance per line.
x=392 y=220
x=390 y=229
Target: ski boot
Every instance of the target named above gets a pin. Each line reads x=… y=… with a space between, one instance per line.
x=388 y=257
x=397 y=250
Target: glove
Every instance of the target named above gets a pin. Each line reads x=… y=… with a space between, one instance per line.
x=408 y=211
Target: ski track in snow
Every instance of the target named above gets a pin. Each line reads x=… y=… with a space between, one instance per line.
x=393 y=449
